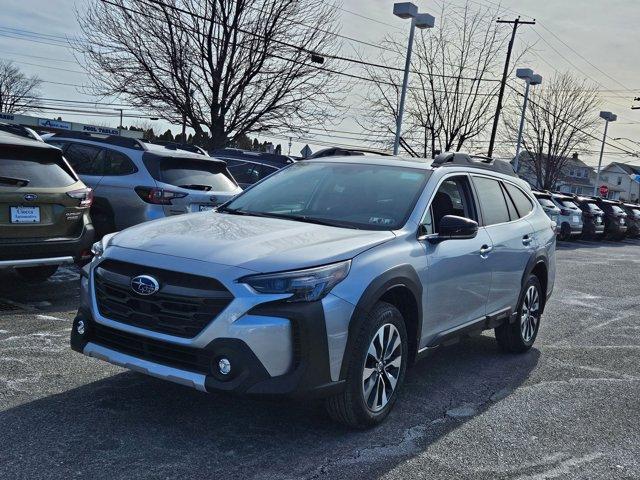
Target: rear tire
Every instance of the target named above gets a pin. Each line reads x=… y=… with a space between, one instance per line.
x=37 y=274
x=518 y=337
x=377 y=365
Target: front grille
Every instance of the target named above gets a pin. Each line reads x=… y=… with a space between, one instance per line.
x=183 y=306
x=177 y=356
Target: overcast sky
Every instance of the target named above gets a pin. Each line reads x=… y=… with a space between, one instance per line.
x=593 y=38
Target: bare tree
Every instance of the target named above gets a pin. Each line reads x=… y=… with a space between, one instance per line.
x=18 y=92
x=453 y=80
x=560 y=119
x=226 y=67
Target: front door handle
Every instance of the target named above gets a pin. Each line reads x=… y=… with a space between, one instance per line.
x=485 y=250
x=526 y=240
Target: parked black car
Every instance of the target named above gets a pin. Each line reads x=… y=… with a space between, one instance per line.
x=592 y=217
x=247 y=167
x=615 y=219
x=633 y=219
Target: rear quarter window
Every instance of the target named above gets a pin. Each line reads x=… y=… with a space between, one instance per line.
x=34 y=168
x=520 y=199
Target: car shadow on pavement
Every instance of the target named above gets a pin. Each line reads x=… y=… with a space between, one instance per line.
x=132 y=426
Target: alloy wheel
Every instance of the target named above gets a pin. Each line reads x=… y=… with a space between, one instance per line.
x=381 y=368
x=530 y=313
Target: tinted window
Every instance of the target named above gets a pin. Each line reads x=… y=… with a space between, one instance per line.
x=545 y=202
x=245 y=172
x=513 y=213
x=34 y=173
x=371 y=197
x=85 y=159
x=450 y=199
x=567 y=203
x=195 y=174
x=522 y=202
x=494 y=207
x=116 y=163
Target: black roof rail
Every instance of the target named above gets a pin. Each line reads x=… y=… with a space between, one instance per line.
x=446 y=159
x=126 y=142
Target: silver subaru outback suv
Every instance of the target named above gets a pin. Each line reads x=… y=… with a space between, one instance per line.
x=327 y=279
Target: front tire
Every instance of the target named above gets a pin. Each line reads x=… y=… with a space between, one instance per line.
x=518 y=337
x=37 y=274
x=375 y=372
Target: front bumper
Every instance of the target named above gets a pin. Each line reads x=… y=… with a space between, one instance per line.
x=308 y=376
x=47 y=251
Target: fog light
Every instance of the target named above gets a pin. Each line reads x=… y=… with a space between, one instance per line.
x=224 y=366
x=80 y=327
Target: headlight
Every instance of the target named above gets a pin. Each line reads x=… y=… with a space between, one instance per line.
x=304 y=285
x=98 y=248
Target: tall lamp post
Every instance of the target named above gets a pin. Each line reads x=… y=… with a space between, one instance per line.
x=530 y=78
x=421 y=20
x=608 y=117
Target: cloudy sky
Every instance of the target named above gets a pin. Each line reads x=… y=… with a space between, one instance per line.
x=592 y=38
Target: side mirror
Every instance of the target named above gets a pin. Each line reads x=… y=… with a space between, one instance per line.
x=453 y=227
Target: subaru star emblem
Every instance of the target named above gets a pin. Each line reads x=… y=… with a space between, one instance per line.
x=144 y=285
x=30 y=197
x=213 y=199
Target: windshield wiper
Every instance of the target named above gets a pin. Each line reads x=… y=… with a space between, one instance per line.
x=20 y=182
x=305 y=218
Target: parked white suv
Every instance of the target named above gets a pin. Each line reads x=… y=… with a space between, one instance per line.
x=328 y=278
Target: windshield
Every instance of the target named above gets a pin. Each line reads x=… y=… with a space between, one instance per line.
x=370 y=197
x=594 y=207
x=195 y=175
x=567 y=203
x=616 y=209
x=545 y=202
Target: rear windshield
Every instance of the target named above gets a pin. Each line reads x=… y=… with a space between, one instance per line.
x=45 y=173
x=545 y=202
x=593 y=207
x=567 y=203
x=194 y=174
x=616 y=209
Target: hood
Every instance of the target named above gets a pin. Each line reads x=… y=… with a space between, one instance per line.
x=255 y=243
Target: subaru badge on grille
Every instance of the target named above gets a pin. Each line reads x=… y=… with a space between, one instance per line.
x=144 y=285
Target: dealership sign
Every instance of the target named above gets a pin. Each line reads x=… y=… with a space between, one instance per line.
x=44 y=122
x=100 y=130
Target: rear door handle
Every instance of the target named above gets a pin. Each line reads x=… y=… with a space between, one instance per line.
x=526 y=240
x=484 y=250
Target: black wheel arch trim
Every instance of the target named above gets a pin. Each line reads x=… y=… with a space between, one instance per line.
x=400 y=276
x=535 y=260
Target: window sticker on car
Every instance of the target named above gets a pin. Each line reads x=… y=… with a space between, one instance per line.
x=380 y=220
x=338 y=188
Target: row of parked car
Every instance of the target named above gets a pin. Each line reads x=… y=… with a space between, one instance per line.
x=59 y=192
x=591 y=218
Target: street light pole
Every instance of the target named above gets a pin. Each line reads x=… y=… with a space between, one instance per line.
x=421 y=20
x=608 y=117
x=530 y=78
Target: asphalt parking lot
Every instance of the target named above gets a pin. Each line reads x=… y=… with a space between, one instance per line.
x=570 y=408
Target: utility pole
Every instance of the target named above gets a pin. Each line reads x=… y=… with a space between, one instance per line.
x=516 y=23
x=289 y=152
x=120 y=127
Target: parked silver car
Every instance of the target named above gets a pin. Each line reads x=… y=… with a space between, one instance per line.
x=327 y=279
x=135 y=181
x=549 y=207
x=570 y=219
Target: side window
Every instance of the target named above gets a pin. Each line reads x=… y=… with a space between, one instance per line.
x=85 y=159
x=492 y=202
x=513 y=213
x=522 y=202
x=116 y=163
x=245 y=172
x=452 y=198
